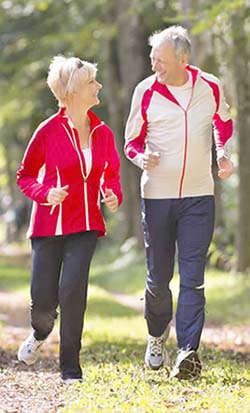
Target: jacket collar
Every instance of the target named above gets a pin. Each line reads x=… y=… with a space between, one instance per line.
x=163 y=89
x=94 y=120
x=195 y=72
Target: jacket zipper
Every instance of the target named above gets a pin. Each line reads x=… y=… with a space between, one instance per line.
x=85 y=189
x=185 y=157
x=58 y=230
x=85 y=182
x=185 y=143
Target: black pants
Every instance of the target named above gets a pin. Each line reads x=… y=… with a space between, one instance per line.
x=60 y=269
x=187 y=223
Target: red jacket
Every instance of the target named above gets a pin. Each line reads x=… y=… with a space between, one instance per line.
x=54 y=158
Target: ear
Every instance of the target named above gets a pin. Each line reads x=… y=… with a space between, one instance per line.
x=184 y=59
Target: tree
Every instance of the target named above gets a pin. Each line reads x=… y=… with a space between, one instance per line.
x=240 y=64
x=126 y=63
x=112 y=33
x=229 y=22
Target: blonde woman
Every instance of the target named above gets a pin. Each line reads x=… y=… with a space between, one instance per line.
x=71 y=158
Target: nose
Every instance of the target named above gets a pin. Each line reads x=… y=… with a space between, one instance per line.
x=154 y=65
x=99 y=85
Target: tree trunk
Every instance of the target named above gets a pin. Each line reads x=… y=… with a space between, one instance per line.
x=203 y=56
x=130 y=46
x=240 y=63
x=124 y=67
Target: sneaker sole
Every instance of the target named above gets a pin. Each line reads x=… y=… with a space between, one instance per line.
x=71 y=381
x=189 y=368
x=154 y=367
x=28 y=363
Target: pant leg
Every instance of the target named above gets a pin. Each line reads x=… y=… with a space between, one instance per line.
x=78 y=252
x=46 y=267
x=159 y=236
x=194 y=234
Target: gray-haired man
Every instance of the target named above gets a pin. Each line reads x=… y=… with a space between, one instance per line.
x=169 y=136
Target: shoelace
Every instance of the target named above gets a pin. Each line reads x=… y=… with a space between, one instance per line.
x=155 y=346
x=33 y=344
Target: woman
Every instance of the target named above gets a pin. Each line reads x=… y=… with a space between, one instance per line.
x=70 y=158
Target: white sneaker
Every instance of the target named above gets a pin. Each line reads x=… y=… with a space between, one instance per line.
x=71 y=381
x=156 y=355
x=187 y=366
x=29 y=350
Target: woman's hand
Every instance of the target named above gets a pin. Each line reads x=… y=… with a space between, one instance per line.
x=110 y=200
x=57 y=195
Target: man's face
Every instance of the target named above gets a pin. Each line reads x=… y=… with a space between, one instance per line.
x=168 y=68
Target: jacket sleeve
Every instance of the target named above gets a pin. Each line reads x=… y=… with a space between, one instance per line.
x=32 y=169
x=136 y=128
x=222 y=123
x=111 y=175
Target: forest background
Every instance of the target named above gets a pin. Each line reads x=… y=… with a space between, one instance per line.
x=114 y=34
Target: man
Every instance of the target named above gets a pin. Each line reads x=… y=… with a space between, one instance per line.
x=169 y=136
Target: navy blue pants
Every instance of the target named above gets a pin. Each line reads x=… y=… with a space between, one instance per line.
x=187 y=223
x=60 y=269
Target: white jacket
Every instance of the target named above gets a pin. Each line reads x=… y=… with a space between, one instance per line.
x=183 y=137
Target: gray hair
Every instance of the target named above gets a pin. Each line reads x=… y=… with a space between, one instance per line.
x=176 y=36
x=65 y=74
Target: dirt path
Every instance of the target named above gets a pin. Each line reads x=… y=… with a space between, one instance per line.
x=24 y=389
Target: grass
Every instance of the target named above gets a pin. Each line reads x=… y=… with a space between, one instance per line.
x=14 y=274
x=227 y=294
x=227 y=297
x=115 y=271
x=115 y=379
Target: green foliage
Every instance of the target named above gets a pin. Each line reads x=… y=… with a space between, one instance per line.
x=204 y=15
x=31 y=33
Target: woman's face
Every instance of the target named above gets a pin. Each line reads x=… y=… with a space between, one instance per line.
x=87 y=92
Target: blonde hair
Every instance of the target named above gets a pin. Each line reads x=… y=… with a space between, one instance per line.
x=65 y=74
x=177 y=36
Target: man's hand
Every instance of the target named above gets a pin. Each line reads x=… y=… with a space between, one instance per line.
x=150 y=160
x=225 y=167
x=57 y=195
x=110 y=200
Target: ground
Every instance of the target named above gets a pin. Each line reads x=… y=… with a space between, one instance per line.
x=38 y=389
x=24 y=389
